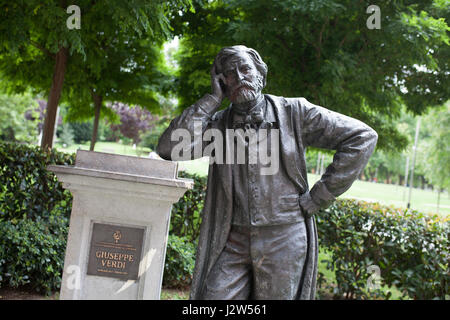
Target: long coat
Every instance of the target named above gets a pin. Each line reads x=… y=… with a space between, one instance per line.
x=301 y=124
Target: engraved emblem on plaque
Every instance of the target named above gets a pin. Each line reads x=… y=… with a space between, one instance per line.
x=115 y=251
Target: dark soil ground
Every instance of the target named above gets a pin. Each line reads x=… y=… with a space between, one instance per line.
x=24 y=293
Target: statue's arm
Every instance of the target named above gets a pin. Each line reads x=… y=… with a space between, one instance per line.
x=196 y=117
x=353 y=141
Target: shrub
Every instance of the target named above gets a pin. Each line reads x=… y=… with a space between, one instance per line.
x=27 y=189
x=410 y=249
x=82 y=131
x=184 y=231
x=150 y=138
x=65 y=134
x=180 y=261
x=186 y=213
x=34 y=217
x=32 y=252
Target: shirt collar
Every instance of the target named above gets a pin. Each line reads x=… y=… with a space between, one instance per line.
x=270 y=115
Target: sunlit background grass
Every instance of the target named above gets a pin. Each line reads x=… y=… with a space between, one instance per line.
x=387 y=194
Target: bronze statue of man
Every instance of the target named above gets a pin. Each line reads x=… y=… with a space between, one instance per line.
x=258 y=237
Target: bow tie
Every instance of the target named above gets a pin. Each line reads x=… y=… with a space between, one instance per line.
x=251 y=120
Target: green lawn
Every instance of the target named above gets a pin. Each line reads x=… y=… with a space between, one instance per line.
x=388 y=194
x=107 y=147
x=174 y=294
x=394 y=195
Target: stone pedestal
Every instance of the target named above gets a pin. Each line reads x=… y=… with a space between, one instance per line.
x=119 y=225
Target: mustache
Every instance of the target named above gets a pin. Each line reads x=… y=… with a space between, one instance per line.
x=254 y=86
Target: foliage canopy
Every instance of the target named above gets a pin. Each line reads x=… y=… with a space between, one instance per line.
x=324 y=51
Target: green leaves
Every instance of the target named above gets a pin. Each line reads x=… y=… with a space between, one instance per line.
x=114 y=34
x=411 y=249
x=32 y=252
x=17 y=108
x=183 y=235
x=186 y=213
x=426 y=26
x=28 y=189
x=180 y=262
x=323 y=51
x=34 y=217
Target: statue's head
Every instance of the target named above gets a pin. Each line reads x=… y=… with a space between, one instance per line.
x=244 y=71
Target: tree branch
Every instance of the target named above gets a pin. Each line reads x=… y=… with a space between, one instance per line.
x=289 y=49
x=44 y=50
x=319 y=45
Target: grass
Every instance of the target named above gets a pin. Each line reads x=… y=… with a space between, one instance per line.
x=175 y=294
x=387 y=194
x=395 y=195
x=108 y=147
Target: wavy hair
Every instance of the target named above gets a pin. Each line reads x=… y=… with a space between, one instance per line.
x=228 y=52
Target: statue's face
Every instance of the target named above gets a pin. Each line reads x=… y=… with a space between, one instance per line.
x=243 y=81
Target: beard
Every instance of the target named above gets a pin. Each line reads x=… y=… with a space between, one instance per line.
x=244 y=94
x=246 y=90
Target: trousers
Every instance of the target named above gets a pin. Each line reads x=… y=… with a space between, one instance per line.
x=260 y=263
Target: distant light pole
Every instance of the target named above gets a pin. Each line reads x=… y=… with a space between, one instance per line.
x=318 y=163
x=406 y=177
x=322 y=164
x=413 y=162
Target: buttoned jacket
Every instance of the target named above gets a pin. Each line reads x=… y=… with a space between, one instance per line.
x=301 y=124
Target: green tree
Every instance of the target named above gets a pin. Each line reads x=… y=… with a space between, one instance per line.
x=324 y=51
x=168 y=112
x=37 y=47
x=19 y=118
x=66 y=135
x=132 y=76
x=437 y=158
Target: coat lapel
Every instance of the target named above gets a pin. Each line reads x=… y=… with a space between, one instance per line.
x=289 y=150
x=218 y=209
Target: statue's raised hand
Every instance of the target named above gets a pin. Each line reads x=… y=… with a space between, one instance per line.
x=217 y=84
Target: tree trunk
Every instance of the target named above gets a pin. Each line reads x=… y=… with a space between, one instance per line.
x=53 y=98
x=97 y=105
x=371 y=175
x=318 y=164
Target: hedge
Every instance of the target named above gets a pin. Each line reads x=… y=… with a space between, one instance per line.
x=34 y=221
x=180 y=262
x=186 y=213
x=411 y=249
x=34 y=217
x=27 y=189
x=183 y=234
x=32 y=252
